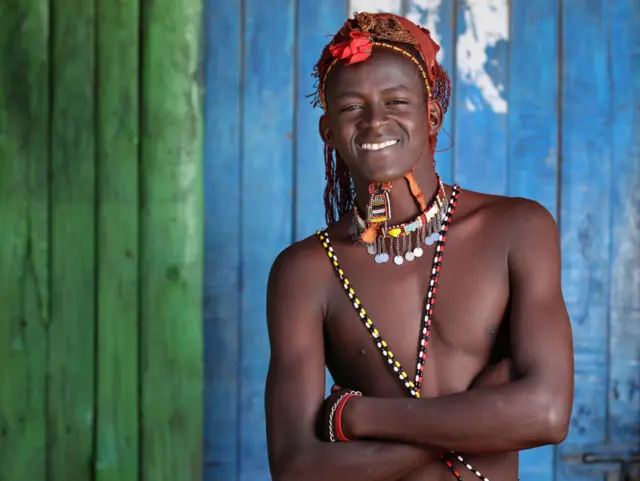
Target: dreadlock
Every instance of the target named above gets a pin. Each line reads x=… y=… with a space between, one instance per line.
x=339 y=195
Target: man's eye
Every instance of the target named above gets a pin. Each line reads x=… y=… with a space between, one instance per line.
x=349 y=108
x=398 y=102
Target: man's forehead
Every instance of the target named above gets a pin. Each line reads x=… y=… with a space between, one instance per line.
x=387 y=69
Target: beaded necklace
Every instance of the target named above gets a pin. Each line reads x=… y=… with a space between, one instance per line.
x=412 y=386
x=400 y=238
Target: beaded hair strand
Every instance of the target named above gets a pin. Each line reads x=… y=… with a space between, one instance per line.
x=339 y=196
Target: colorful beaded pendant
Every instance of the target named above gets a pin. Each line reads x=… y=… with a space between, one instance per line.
x=403 y=241
x=379 y=206
x=412 y=386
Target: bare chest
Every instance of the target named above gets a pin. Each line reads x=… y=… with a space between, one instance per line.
x=388 y=317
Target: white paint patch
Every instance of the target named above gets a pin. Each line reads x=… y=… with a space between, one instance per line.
x=377 y=6
x=426 y=14
x=469 y=105
x=486 y=24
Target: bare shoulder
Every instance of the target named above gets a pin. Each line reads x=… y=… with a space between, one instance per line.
x=301 y=260
x=299 y=275
x=516 y=219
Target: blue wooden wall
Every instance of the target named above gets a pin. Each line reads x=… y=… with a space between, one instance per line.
x=546 y=105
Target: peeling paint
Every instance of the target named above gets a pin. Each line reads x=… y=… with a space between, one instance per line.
x=486 y=24
x=426 y=13
x=390 y=6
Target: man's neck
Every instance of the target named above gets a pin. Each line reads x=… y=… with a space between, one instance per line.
x=404 y=206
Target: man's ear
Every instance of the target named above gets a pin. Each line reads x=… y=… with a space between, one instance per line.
x=436 y=117
x=325 y=130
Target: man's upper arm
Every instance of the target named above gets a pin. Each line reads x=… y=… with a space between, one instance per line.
x=541 y=334
x=296 y=376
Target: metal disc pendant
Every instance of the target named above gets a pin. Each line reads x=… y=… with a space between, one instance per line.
x=409 y=256
x=432 y=238
x=418 y=252
x=379 y=258
x=398 y=260
x=371 y=249
x=385 y=257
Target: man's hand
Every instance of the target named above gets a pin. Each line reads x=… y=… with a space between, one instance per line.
x=495 y=375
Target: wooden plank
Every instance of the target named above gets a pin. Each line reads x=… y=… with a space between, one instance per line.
x=316 y=23
x=116 y=457
x=222 y=121
x=171 y=241
x=585 y=209
x=624 y=343
x=71 y=333
x=533 y=137
x=438 y=16
x=480 y=154
x=24 y=192
x=267 y=203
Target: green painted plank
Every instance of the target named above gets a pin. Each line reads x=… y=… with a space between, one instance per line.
x=71 y=332
x=171 y=241
x=117 y=242
x=24 y=289
x=222 y=167
x=585 y=220
x=624 y=350
x=533 y=137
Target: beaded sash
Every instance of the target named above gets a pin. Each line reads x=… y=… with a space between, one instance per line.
x=412 y=386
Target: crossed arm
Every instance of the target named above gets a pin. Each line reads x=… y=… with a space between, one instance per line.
x=295 y=391
x=531 y=411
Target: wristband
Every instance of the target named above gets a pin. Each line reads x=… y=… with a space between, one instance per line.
x=335 y=417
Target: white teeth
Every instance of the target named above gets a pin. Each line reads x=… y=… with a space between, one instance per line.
x=383 y=145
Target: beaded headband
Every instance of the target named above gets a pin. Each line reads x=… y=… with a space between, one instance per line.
x=404 y=52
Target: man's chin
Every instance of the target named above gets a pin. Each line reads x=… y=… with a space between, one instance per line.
x=386 y=176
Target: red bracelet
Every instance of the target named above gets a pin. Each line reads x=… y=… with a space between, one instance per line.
x=339 y=434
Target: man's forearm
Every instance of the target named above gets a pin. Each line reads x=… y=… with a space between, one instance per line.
x=507 y=418
x=355 y=461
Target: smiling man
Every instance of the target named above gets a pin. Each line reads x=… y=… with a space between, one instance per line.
x=360 y=296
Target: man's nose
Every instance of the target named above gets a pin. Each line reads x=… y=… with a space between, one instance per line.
x=377 y=117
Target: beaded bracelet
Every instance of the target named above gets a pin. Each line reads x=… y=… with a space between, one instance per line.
x=335 y=427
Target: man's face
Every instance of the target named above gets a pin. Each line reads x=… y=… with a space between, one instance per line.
x=377 y=116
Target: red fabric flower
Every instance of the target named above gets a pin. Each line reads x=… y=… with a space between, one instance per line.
x=355 y=50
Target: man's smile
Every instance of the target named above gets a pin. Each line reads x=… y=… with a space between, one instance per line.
x=378 y=146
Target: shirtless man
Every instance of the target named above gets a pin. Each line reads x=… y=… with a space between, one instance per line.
x=499 y=373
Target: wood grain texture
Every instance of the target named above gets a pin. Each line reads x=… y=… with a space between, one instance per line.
x=267 y=203
x=480 y=154
x=439 y=18
x=222 y=170
x=316 y=23
x=71 y=417
x=116 y=437
x=533 y=137
x=624 y=341
x=24 y=245
x=171 y=241
x=585 y=216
